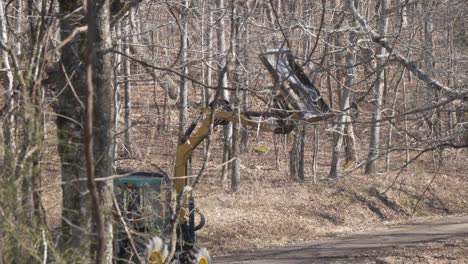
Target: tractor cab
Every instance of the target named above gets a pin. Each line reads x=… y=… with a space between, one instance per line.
x=143 y=210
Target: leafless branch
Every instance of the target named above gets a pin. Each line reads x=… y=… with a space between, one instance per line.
x=88 y=138
x=431 y=82
x=71 y=37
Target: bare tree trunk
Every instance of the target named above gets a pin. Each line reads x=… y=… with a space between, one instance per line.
x=245 y=97
x=209 y=67
x=371 y=166
x=8 y=128
x=315 y=151
x=225 y=95
x=21 y=167
x=434 y=119
x=405 y=120
x=390 y=125
x=276 y=148
x=235 y=177
x=452 y=116
x=350 y=148
x=19 y=27
x=235 y=174
x=183 y=106
x=117 y=95
x=302 y=153
x=244 y=129
x=293 y=157
x=132 y=41
x=345 y=104
x=31 y=100
x=402 y=12
x=339 y=135
x=98 y=135
x=76 y=217
x=128 y=94
x=296 y=155
x=208 y=62
x=235 y=47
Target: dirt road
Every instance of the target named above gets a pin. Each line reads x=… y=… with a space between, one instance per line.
x=438 y=241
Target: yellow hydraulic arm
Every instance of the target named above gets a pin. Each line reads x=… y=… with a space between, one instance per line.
x=199 y=130
x=194 y=135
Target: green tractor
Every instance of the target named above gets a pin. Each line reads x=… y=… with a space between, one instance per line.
x=143 y=221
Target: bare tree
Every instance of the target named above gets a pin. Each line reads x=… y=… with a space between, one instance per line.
x=371 y=166
x=76 y=217
x=20 y=200
x=235 y=46
x=297 y=153
x=344 y=127
x=183 y=90
x=224 y=94
x=8 y=83
x=98 y=125
x=117 y=87
x=78 y=220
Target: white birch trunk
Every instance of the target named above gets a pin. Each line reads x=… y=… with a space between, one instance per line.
x=227 y=131
x=128 y=92
x=374 y=145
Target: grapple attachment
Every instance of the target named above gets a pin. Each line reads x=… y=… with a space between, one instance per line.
x=295 y=95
